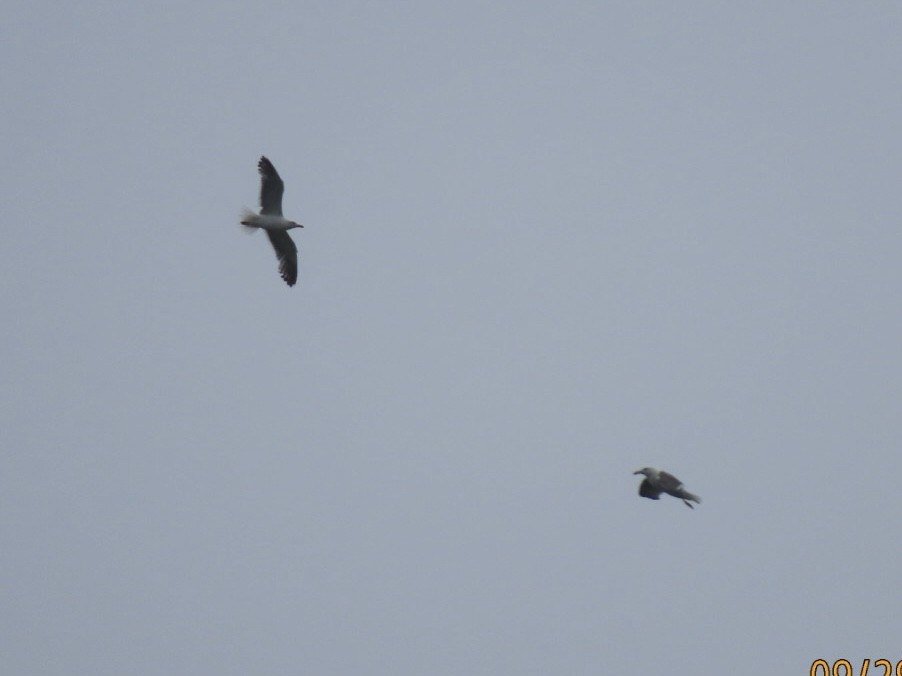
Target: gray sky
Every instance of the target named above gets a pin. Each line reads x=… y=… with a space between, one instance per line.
x=546 y=245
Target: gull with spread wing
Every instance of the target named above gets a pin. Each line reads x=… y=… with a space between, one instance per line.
x=270 y=219
x=657 y=482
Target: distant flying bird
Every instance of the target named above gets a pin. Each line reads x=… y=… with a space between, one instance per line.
x=657 y=482
x=270 y=219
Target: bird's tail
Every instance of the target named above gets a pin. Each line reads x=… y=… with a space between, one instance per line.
x=248 y=218
x=687 y=496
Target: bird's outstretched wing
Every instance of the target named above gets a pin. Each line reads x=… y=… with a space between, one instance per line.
x=287 y=253
x=646 y=490
x=271 y=188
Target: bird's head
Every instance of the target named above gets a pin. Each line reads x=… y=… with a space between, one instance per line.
x=292 y=224
x=647 y=471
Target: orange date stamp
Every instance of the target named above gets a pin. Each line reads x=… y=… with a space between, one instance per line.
x=845 y=668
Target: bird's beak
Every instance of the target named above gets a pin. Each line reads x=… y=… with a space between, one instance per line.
x=638 y=471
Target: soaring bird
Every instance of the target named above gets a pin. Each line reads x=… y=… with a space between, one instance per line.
x=270 y=219
x=657 y=482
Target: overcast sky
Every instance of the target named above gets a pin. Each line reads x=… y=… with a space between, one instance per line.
x=546 y=244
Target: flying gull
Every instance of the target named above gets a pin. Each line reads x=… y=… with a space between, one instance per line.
x=270 y=219
x=657 y=482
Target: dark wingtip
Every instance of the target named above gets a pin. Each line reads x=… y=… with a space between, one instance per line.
x=290 y=276
x=264 y=166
